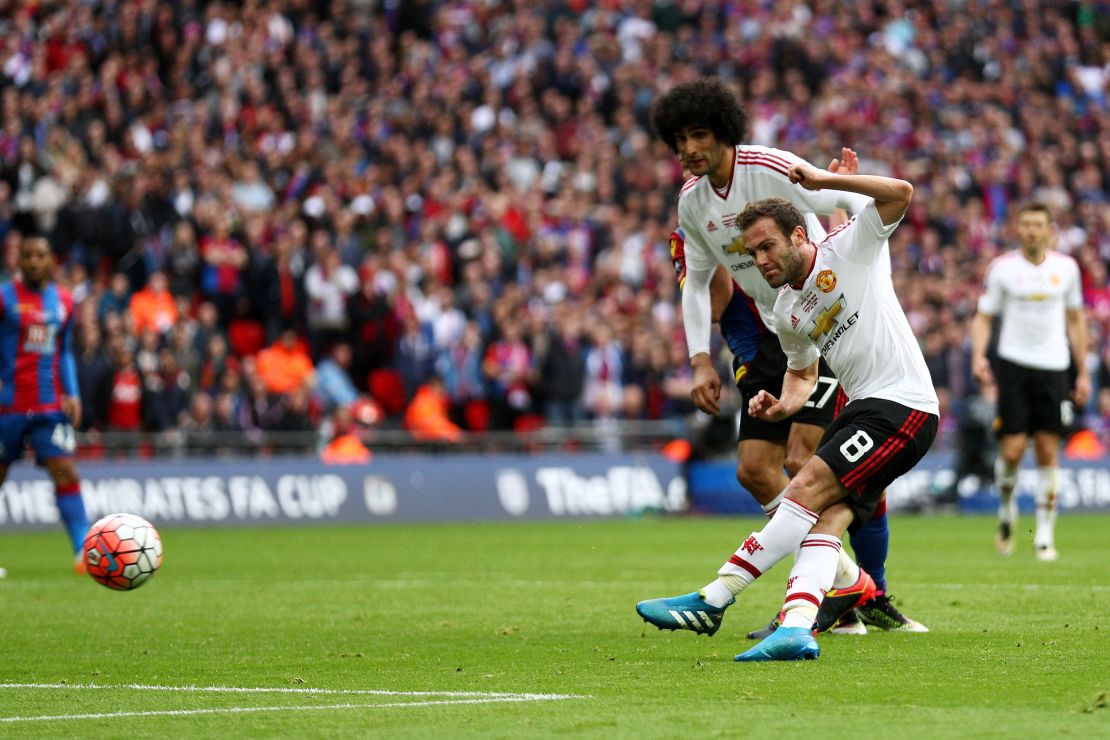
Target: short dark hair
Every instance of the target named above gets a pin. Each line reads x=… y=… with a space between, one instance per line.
x=786 y=216
x=703 y=102
x=1034 y=206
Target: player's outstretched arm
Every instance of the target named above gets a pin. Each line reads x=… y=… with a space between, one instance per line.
x=892 y=196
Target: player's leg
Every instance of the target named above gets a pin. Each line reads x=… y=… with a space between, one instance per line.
x=1011 y=447
x=811 y=576
x=864 y=451
x=1046 y=446
x=870 y=543
x=1014 y=419
x=53 y=441
x=1051 y=416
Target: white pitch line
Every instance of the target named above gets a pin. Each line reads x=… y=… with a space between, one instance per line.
x=298 y=690
x=245 y=710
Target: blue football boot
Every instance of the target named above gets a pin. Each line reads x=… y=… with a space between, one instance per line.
x=687 y=612
x=786 y=643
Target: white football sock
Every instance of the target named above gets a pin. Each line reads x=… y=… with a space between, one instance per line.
x=810 y=579
x=1006 y=478
x=772 y=506
x=1045 y=493
x=847 y=572
x=759 y=553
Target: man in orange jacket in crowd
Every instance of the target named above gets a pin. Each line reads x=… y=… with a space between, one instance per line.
x=426 y=416
x=285 y=365
x=154 y=307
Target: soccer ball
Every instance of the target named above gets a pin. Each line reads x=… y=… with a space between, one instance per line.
x=122 y=551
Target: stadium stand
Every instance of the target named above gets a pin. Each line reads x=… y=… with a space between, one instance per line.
x=440 y=184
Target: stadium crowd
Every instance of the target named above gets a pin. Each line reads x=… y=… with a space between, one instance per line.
x=276 y=213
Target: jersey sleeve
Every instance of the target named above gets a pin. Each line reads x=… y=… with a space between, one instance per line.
x=990 y=303
x=697 y=254
x=1073 y=298
x=769 y=170
x=863 y=239
x=800 y=353
x=67 y=363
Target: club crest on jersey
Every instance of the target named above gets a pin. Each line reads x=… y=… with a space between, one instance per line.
x=736 y=246
x=826 y=281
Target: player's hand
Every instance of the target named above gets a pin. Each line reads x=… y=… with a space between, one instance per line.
x=847 y=164
x=706 y=393
x=806 y=175
x=981 y=370
x=71 y=407
x=1082 y=391
x=765 y=406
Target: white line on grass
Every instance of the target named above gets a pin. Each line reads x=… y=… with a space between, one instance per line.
x=298 y=690
x=326 y=707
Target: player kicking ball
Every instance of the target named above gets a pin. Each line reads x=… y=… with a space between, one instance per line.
x=835 y=302
x=39 y=398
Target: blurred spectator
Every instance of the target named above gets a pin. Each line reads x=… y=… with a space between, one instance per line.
x=344 y=446
x=165 y=394
x=561 y=358
x=508 y=366
x=426 y=416
x=328 y=285
x=333 y=381
x=460 y=366
x=182 y=263
x=221 y=272
x=94 y=377
x=117 y=299
x=285 y=366
x=125 y=407
x=153 y=308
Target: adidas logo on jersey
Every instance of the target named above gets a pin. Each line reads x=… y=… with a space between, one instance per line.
x=711 y=226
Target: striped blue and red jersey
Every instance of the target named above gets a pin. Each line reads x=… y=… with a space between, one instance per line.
x=37 y=366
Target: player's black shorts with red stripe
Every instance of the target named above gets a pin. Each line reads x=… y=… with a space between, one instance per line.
x=1032 y=400
x=765 y=373
x=870 y=443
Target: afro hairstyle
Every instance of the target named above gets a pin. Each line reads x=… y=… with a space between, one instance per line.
x=703 y=102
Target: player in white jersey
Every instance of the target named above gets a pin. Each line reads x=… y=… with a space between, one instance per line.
x=1036 y=291
x=703 y=123
x=835 y=301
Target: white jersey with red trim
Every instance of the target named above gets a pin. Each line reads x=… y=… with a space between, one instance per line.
x=847 y=312
x=1033 y=301
x=709 y=217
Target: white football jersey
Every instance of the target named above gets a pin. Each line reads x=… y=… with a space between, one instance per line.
x=847 y=312
x=1033 y=301
x=709 y=217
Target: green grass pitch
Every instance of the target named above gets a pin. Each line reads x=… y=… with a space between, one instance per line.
x=524 y=630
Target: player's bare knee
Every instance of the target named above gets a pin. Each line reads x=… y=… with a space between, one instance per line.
x=795 y=461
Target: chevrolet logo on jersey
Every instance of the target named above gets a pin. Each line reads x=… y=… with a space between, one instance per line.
x=823 y=322
x=736 y=246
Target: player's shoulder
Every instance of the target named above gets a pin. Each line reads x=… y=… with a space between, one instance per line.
x=755 y=159
x=690 y=189
x=837 y=233
x=1062 y=258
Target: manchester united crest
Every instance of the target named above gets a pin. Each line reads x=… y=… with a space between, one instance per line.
x=826 y=281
